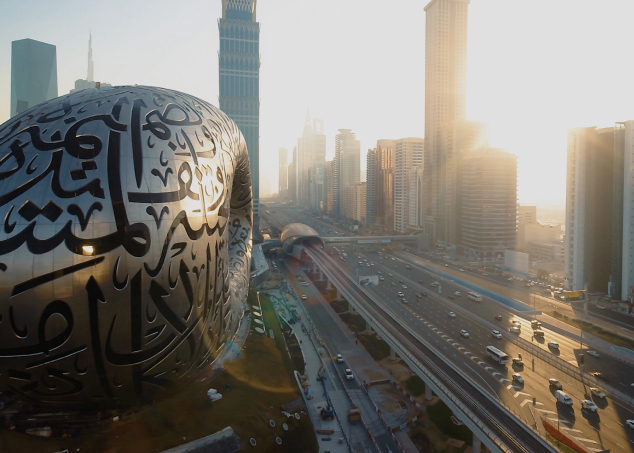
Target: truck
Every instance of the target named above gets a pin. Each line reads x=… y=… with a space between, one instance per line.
x=327 y=413
x=563 y=398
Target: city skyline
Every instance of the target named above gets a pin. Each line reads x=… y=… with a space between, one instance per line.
x=515 y=84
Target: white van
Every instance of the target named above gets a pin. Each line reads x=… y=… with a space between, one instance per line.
x=563 y=398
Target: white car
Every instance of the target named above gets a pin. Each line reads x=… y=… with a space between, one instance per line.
x=304 y=298
x=349 y=374
x=597 y=392
x=593 y=354
x=518 y=378
x=516 y=323
x=393 y=259
x=404 y=286
x=457 y=293
x=451 y=314
x=515 y=329
x=589 y=405
x=304 y=283
x=630 y=423
x=464 y=333
x=553 y=344
x=339 y=358
x=400 y=294
x=496 y=334
x=378 y=272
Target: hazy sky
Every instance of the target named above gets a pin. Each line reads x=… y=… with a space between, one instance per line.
x=535 y=68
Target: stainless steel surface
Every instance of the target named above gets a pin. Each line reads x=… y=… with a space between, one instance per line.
x=124 y=247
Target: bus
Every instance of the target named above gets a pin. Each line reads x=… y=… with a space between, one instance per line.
x=497 y=355
x=475 y=296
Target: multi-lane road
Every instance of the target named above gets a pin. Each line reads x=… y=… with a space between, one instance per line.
x=429 y=315
x=605 y=429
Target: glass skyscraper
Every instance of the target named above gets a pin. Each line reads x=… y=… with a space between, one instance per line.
x=239 y=64
x=33 y=74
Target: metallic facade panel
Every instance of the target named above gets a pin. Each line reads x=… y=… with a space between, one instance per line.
x=125 y=245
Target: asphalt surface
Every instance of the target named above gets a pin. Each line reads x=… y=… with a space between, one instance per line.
x=429 y=316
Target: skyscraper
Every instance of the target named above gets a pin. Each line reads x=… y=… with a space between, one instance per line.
x=445 y=96
x=292 y=177
x=239 y=66
x=489 y=203
x=33 y=74
x=282 y=173
x=459 y=139
x=89 y=81
x=91 y=65
x=371 y=185
x=347 y=167
x=600 y=209
x=408 y=154
x=311 y=157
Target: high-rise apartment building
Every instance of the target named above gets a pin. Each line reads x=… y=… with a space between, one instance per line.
x=384 y=154
x=415 y=198
x=459 y=139
x=239 y=67
x=33 y=74
x=445 y=97
x=89 y=81
x=370 y=190
x=282 y=168
x=355 y=205
x=599 y=237
x=408 y=154
x=311 y=158
x=347 y=167
x=489 y=203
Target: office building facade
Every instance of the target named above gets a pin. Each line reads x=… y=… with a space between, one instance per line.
x=371 y=184
x=445 y=97
x=239 y=68
x=489 y=204
x=347 y=167
x=33 y=74
x=408 y=153
x=282 y=168
x=355 y=204
x=311 y=158
x=599 y=240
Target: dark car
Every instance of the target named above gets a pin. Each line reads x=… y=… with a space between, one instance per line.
x=498 y=317
x=600 y=375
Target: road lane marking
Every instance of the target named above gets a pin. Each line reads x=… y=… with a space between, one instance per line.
x=521 y=393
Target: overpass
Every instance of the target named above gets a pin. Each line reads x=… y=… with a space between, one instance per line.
x=421 y=241
x=490 y=422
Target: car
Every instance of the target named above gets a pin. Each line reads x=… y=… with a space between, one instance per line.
x=510 y=279
x=378 y=272
x=404 y=286
x=464 y=333
x=516 y=323
x=518 y=361
x=518 y=378
x=555 y=383
x=400 y=294
x=434 y=284
x=593 y=354
x=457 y=293
x=304 y=283
x=405 y=301
x=599 y=375
x=349 y=374
x=484 y=273
x=538 y=333
x=304 y=297
x=461 y=270
x=451 y=314
x=367 y=265
x=446 y=265
x=451 y=296
x=339 y=358
x=393 y=284
x=588 y=405
x=418 y=296
x=515 y=329
x=496 y=334
x=421 y=282
x=597 y=392
x=630 y=423
x=498 y=317
x=393 y=259
x=371 y=264
x=389 y=274
x=535 y=323
x=553 y=344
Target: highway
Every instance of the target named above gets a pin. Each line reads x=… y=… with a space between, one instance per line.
x=429 y=317
x=515 y=436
